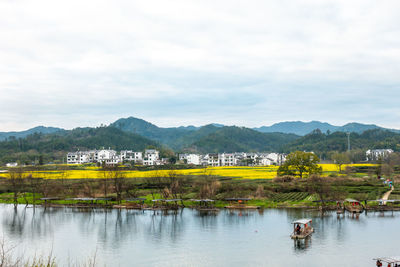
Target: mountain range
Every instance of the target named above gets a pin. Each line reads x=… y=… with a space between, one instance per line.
x=22 y=134
x=303 y=128
x=134 y=133
x=152 y=131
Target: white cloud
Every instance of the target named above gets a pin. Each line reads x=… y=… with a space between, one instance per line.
x=76 y=63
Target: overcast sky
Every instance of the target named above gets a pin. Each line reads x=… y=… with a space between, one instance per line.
x=181 y=62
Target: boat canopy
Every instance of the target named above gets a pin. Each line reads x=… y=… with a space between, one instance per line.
x=302 y=221
x=394 y=259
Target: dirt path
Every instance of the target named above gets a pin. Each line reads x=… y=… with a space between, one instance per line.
x=386 y=195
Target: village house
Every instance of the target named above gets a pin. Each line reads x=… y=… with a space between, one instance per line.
x=108 y=156
x=376 y=154
x=191 y=159
x=151 y=157
x=129 y=155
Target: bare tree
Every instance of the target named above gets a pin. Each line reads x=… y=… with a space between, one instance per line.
x=208 y=184
x=118 y=178
x=119 y=183
x=340 y=159
x=321 y=187
x=16 y=179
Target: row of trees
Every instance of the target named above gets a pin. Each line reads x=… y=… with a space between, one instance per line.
x=113 y=184
x=302 y=164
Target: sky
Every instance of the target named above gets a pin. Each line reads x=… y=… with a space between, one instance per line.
x=183 y=62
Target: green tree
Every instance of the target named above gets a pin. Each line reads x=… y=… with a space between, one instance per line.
x=340 y=159
x=299 y=164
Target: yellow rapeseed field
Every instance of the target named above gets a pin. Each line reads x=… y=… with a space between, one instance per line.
x=265 y=172
x=335 y=168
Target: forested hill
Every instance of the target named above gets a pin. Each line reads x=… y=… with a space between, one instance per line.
x=208 y=138
x=168 y=136
x=236 y=139
x=54 y=146
x=320 y=142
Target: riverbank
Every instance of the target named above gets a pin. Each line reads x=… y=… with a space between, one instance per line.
x=115 y=189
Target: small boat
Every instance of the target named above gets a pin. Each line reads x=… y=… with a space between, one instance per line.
x=353 y=206
x=391 y=261
x=302 y=228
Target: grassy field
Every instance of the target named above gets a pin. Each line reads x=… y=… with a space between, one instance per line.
x=237 y=172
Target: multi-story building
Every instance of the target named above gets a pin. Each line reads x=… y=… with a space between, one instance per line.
x=193 y=159
x=106 y=154
x=376 y=154
x=129 y=155
x=79 y=157
x=227 y=159
x=213 y=160
x=151 y=157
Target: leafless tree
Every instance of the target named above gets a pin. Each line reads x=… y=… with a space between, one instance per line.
x=320 y=186
x=16 y=180
x=208 y=184
x=117 y=176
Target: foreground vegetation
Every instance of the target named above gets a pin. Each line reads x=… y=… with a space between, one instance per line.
x=28 y=185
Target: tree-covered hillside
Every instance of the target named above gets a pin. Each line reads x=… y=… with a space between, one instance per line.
x=167 y=136
x=322 y=143
x=236 y=139
x=54 y=146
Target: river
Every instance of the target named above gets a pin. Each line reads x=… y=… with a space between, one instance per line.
x=190 y=238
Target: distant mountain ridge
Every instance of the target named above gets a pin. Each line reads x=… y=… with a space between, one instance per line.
x=22 y=134
x=209 y=138
x=304 y=128
x=138 y=134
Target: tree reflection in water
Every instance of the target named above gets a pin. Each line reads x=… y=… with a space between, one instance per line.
x=168 y=224
x=301 y=245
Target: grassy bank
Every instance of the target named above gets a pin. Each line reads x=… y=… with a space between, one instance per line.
x=29 y=187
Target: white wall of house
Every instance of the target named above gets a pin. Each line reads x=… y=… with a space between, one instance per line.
x=105 y=154
x=129 y=155
x=12 y=164
x=375 y=154
x=194 y=159
x=151 y=157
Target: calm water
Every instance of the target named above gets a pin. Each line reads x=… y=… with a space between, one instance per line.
x=189 y=238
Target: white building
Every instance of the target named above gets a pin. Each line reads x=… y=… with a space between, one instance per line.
x=12 y=164
x=227 y=159
x=213 y=160
x=376 y=154
x=106 y=154
x=79 y=157
x=129 y=155
x=151 y=157
x=241 y=158
x=193 y=159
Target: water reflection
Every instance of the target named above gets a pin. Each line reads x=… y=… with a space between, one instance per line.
x=259 y=235
x=301 y=245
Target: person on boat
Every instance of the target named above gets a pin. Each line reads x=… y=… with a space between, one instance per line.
x=378 y=263
x=298 y=228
